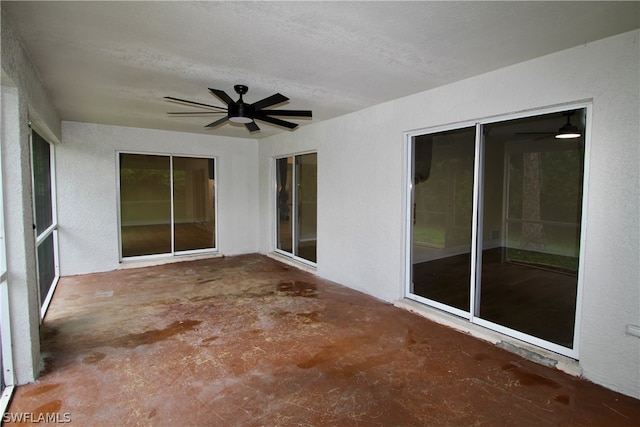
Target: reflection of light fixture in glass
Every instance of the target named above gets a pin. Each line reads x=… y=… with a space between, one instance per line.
x=568 y=131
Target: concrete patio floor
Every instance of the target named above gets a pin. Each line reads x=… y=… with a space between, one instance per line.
x=249 y=341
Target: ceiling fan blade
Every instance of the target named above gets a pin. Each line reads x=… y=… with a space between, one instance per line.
x=217 y=122
x=192 y=103
x=269 y=101
x=222 y=95
x=275 y=121
x=252 y=126
x=289 y=113
x=186 y=113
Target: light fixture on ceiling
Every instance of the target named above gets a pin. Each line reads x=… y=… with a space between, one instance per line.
x=240 y=119
x=240 y=111
x=568 y=131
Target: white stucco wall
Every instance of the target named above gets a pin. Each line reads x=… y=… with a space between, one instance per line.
x=362 y=173
x=87 y=189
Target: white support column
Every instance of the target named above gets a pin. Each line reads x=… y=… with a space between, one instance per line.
x=19 y=239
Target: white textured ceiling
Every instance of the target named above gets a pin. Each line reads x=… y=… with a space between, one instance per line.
x=113 y=62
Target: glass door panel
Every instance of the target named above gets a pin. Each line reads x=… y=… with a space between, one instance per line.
x=296 y=205
x=531 y=247
x=307 y=196
x=193 y=203
x=284 y=204
x=442 y=216
x=145 y=204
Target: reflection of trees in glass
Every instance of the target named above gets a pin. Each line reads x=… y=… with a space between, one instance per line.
x=545 y=191
x=562 y=185
x=443 y=191
x=464 y=196
x=145 y=184
x=430 y=197
x=545 y=186
x=515 y=182
x=532 y=236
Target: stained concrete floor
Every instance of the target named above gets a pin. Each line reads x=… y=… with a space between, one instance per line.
x=248 y=341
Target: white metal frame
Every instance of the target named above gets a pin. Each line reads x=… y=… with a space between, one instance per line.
x=476 y=264
x=409 y=218
x=173 y=252
x=52 y=230
x=294 y=201
x=8 y=374
x=476 y=224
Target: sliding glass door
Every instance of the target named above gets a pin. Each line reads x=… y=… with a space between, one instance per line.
x=296 y=206
x=46 y=225
x=496 y=211
x=167 y=204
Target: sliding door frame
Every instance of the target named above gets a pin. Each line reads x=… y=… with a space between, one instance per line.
x=294 y=204
x=173 y=252
x=409 y=217
x=51 y=230
x=476 y=248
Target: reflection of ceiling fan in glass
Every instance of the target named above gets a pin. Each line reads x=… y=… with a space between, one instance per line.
x=241 y=112
x=567 y=131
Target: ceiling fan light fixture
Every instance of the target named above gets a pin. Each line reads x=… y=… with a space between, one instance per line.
x=240 y=112
x=240 y=119
x=568 y=131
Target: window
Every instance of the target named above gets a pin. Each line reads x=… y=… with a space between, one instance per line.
x=167 y=205
x=296 y=206
x=495 y=225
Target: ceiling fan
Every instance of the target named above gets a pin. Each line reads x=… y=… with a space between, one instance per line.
x=242 y=112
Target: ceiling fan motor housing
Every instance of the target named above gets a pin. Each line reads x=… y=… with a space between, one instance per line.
x=240 y=112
